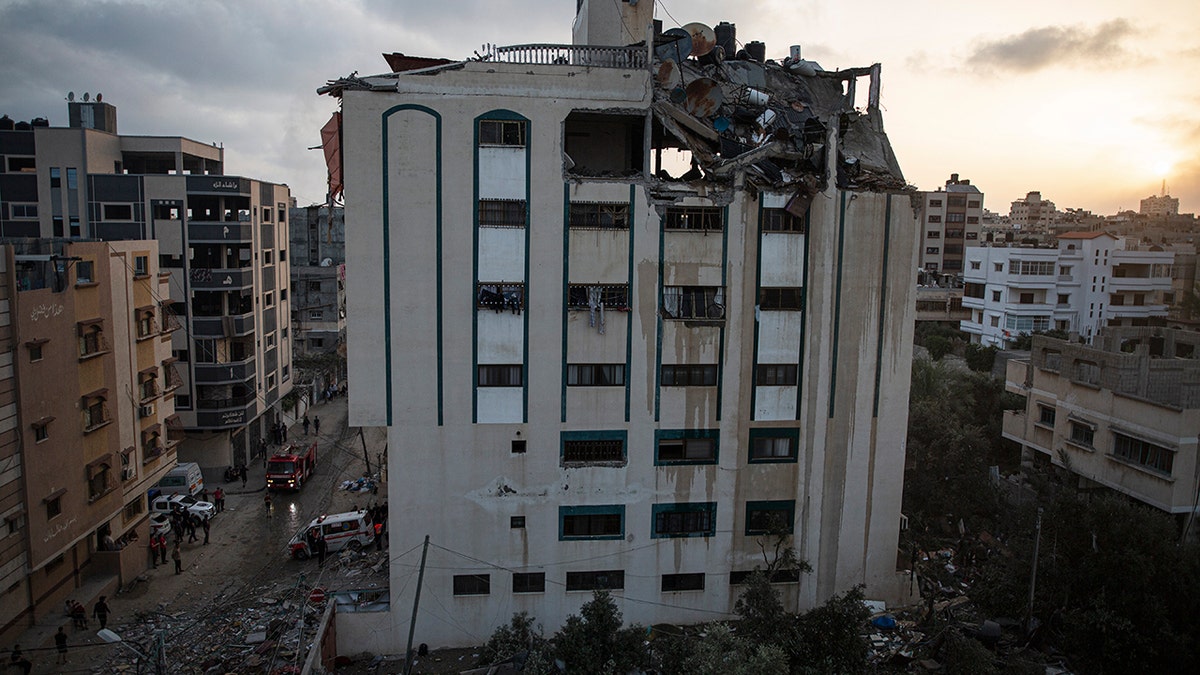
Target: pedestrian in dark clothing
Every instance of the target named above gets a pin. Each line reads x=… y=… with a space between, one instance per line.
x=283 y=430
x=60 y=641
x=305 y=422
x=204 y=495
x=20 y=661
x=78 y=615
x=322 y=548
x=379 y=536
x=205 y=523
x=177 y=525
x=191 y=528
x=100 y=611
x=243 y=476
x=178 y=558
x=317 y=425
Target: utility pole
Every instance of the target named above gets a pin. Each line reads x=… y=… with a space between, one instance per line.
x=366 y=456
x=412 y=624
x=1037 y=542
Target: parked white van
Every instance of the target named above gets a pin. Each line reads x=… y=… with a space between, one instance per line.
x=352 y=530
x=185 y=478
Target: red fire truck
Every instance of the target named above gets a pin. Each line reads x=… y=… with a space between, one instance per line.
x=291 y=466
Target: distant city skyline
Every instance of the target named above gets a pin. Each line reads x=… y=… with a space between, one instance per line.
x=1082 y=100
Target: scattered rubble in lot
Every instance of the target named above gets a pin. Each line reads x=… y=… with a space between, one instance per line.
x=267 y=626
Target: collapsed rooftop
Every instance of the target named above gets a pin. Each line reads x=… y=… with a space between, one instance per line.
x=741 y=116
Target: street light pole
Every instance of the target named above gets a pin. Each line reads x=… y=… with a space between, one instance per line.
x=1037 y=542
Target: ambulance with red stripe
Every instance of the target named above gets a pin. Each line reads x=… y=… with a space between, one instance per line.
x=352 y=529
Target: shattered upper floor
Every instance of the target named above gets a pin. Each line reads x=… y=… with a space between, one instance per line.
x=789 y=126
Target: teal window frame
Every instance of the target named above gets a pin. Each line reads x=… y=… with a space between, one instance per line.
x=784 y=506
x=684 y=435
x=791 y=434
x=565 y=512
x=683 y=507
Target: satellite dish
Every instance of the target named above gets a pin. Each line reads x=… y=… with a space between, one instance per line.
x=70 y=96
x=99 y=97
x=86 y=96
x=703 y=38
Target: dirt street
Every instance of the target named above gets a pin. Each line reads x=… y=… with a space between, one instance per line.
x=243 y=582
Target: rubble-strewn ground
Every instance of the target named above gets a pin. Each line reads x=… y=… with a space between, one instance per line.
x=241 y=603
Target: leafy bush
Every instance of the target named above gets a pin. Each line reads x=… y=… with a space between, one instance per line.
x=596 y=644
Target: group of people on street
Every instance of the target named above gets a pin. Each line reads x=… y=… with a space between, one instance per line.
x=315 y=424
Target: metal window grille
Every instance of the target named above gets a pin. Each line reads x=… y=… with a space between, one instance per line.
x=694 y=302
x=596 y=375
x=701 y=218
x=501 y=376
x=502 y=132
x=608 y=450
x=781 y=220
x=689 y=376
x=782 y=298
x=612 y=296
x=599 y=216
x=502 y=213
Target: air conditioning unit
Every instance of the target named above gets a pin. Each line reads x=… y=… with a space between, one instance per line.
x=127 y=473
x=146 y=411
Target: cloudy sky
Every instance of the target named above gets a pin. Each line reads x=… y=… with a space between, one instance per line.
x=1093 y=102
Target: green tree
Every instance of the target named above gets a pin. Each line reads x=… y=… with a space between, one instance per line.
x=594 y=643
x=828 y=639
x=719 y=651
x=981 y=358
x=517 y=636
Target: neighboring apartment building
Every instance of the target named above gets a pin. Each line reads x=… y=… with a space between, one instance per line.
x=318 y=253
x=1090 y=281
x=223 y=239
x=1032 y=211
x=1122 y=415
x=598 y=376
x=950 y=222
x=14 y=541
x=1166 y=205
x=91 y=334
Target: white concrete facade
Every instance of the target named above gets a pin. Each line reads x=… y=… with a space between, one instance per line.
x=496 y=447
x=1089 y=282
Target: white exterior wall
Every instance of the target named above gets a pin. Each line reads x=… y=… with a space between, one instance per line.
x=1083 y=274
x=454 y=475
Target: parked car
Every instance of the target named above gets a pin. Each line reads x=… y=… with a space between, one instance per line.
x=171 y=503
x=160 y=523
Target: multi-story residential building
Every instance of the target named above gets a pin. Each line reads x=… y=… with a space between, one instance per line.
x=223 y=240
x=318 y=245
x=14 y=542
x=1122 y=415
x=1155 y=205
x=950 y=222
x=1032 y=211
x=1090 y=281
x=95 y=420
x=597 y=375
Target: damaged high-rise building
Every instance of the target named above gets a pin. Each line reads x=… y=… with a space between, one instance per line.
x=632 y=309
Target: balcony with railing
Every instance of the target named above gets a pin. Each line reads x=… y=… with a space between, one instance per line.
x=593 y=56
x=224 y=373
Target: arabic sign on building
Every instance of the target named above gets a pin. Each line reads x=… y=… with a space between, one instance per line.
x=218 y=184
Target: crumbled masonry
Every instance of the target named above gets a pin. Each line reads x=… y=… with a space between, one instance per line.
x=768 y=122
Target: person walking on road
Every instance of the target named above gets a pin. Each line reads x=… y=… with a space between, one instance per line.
x=321 y=549
x=60 y=641
x=243 y=476
x=162 y=547
x=101 y=611
x=219 y=499
x=178 y=558
x=154 y=550
x=191 y=527
x=19 y=661
x=267 y=502
x=305 y=422
x=317 y=425
x=206 y=526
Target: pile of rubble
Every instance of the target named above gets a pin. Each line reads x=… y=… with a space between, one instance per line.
x=265 y=627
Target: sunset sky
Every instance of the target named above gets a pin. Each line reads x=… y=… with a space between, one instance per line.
x=1092 y=102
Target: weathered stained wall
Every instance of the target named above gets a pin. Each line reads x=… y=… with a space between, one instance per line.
x=456 y=476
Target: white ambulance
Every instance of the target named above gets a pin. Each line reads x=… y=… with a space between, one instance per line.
x=352 y=530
